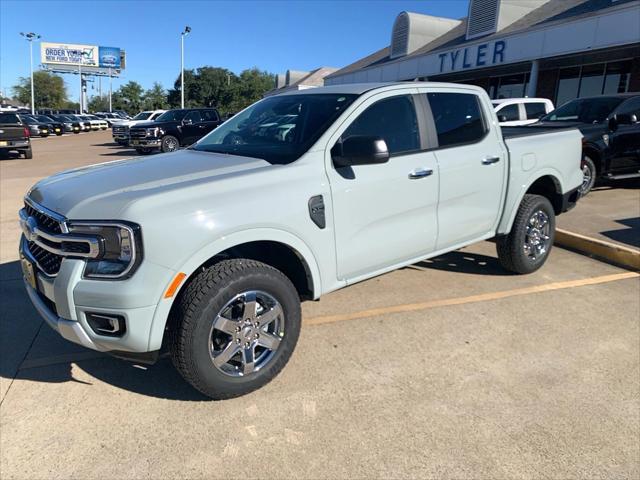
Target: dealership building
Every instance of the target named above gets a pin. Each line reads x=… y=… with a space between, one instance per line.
x=557 y=49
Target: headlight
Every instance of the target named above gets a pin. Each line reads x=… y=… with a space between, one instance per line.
x=120 y=248
x=152 y=132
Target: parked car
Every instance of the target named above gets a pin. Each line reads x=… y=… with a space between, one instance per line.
x=110 y=118
x=36 y=128
x=85 y=123
x=173 y=129
x=14 y=135
x=122 y=114
x=71 y=125
x=611 y=145
x=521 y=111
x=247 y=221
x=120 y=130
x=55 y=127
x=97 y=123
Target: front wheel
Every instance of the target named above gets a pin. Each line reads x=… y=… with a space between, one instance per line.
x=589 y=173
x=169 y=144
x=527 y=246
x=234 y=327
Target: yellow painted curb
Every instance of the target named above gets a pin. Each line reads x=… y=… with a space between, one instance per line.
x=610 y=252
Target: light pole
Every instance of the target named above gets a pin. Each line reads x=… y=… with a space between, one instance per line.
x=186 y=31
x=30 y=36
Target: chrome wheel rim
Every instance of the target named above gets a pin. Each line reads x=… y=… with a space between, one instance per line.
x=537 y=236
x=246 y=333
x=171 y=144
x=587 y=177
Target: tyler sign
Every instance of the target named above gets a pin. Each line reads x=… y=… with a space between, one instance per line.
x=473 y=56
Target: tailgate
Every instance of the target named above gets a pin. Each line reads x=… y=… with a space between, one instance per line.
x=11 y=132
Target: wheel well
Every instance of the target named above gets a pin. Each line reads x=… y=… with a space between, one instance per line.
x=548 y=187
x=594 y=154
x=278 y=255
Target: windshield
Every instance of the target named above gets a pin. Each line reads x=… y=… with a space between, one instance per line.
x=142 y=116
x=28 y=120
x=277 y=129
x=585 y=110
x=172 y=116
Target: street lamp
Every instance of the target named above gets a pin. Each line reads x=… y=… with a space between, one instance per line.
x=186 y=31
x=30 y=36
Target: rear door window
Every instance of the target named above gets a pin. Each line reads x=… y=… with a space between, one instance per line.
x=535 y=110
x=458 y=118
x=510 y=112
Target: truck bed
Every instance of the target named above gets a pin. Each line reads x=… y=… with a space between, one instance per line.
x=530 y=130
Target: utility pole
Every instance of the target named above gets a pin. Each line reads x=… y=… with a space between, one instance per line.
x=110 y=90
x=30 y=36
x=186 y=31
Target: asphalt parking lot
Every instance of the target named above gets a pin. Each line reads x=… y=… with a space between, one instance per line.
x=449 y=368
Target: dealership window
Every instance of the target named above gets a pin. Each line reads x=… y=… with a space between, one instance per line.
x=591 y=80
x=509 y=86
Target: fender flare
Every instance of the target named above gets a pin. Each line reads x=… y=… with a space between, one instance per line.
x=508 y=217
x=223 y=243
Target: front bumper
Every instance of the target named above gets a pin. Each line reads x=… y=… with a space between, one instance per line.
x=64 y=300
x=148 y=142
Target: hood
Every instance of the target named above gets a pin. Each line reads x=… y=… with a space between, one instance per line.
x=102 y=191
x=151 y=124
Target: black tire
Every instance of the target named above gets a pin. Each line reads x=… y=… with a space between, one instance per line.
x=28 y=153
x=169 y=144
x=199 y=304
x=589 y=172
x=511 y=247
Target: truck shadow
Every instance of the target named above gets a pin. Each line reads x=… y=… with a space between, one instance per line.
x=465 y=262
x=32 y=351
x=629 y=236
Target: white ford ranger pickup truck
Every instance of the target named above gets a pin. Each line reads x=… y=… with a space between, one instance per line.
x=207 y=252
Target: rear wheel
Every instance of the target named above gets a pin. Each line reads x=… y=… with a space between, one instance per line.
x=234 y=327
x=527 y=246
x=169 y=144
x=589 y=173
x=28 y=153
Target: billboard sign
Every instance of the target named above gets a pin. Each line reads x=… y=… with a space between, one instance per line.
x=68 y=54
x=109 y=57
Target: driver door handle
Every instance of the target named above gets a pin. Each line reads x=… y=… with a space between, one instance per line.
x=420 y=173
x=490 y=160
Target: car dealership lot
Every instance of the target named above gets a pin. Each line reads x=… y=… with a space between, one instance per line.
x=449 y=368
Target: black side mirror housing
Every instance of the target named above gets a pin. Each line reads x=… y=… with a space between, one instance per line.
x=360 y=150
x=624 y=119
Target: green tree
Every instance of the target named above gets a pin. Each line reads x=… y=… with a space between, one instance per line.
x=128 y=98
x=49 y=90
x=221 y=88
x=155 y=98
x=99 y=103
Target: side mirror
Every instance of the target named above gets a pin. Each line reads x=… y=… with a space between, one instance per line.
x=187 y=121
x=502 y=118
x=624 y=119
x=360 y=150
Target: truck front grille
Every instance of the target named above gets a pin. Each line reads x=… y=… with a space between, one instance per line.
x=48 y=262
x=137 y=133
x=120 y=129
x=44 y=220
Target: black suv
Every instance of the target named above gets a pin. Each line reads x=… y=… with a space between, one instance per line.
x=173 y=129
x=611 y=129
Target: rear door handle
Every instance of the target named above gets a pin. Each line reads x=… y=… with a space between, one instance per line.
x=420 y=173
x=490 y=160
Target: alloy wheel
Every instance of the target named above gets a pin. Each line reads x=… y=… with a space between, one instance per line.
x=246 y=333
x=537 y=236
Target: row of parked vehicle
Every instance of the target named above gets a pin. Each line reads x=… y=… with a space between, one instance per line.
x=59 y=124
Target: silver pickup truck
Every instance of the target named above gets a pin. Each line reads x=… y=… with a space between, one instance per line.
x=207 y=252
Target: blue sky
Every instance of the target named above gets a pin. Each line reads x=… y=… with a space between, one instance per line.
x=272 y=35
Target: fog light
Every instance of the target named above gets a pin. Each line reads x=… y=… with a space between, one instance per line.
x=106 y=324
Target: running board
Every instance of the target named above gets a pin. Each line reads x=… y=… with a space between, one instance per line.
x=623 y=177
